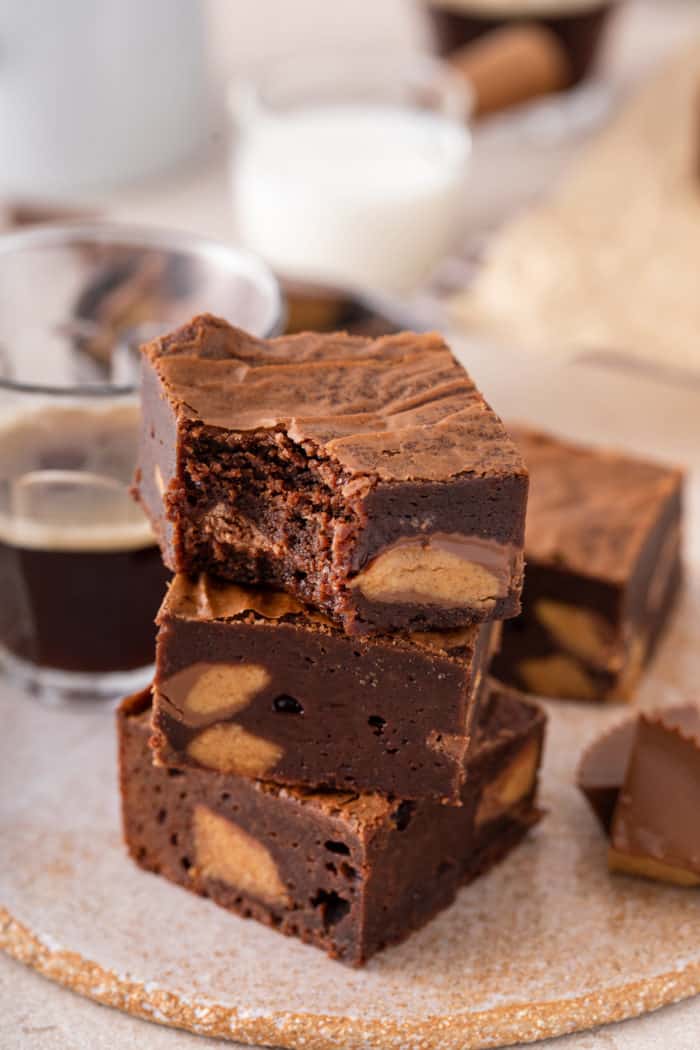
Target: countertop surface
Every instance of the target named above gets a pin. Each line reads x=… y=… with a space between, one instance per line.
x=38 y=1015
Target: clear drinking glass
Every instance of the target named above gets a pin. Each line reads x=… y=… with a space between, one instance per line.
x=349 y=168
x=80 y=575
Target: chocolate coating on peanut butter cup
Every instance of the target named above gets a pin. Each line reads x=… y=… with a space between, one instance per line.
x=642 y=780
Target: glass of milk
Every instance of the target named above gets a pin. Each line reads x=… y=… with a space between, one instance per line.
x=350 y=169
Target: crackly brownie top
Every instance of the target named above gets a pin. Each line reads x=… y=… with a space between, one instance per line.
x=399 y=407
x=590 y=510
x=205 y=598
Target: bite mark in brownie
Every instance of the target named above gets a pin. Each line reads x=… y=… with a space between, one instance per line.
x=367 y=477
x=252 y=682
x=347 y=872
x=604 y=570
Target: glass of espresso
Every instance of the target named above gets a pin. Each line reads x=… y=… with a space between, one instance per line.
x=80 y=575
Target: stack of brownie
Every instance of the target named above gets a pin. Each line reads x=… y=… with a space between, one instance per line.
x=322 y=749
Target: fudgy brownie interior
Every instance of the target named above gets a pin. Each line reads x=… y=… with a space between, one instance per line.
x=288 y=496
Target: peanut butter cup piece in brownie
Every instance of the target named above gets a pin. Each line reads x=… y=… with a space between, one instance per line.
x=367 y=477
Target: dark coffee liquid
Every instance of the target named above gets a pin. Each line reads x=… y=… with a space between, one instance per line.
x=80 y=575
x=579 y=31
x=75 y=611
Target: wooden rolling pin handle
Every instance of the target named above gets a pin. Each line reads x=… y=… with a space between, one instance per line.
x=512 y=65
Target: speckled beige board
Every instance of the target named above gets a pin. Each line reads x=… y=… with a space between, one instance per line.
x=547 y=943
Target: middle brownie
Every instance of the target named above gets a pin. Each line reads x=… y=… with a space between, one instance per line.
x=251 y=682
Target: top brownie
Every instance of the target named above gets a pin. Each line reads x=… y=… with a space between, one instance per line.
x=367 y=477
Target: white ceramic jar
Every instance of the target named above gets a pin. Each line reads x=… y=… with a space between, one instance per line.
x=97 y=93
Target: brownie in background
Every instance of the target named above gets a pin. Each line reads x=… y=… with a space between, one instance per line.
x=604 y=570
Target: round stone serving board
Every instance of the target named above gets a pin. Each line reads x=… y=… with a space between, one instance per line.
x=547 y=943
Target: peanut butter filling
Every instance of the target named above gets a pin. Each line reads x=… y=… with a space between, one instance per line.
x=229 y=748
x=449 y=570
x=650 y=868
x=557 y=675
x=226 y=852
x=215 y=690
x=511 y=786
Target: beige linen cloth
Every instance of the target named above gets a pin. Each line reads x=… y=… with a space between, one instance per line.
x=611 y=262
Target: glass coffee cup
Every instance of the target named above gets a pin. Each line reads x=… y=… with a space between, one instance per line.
x=80 y=573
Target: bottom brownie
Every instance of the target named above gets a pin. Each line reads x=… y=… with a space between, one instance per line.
x=349 y=873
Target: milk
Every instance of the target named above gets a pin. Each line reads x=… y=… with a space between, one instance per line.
x=351 y=193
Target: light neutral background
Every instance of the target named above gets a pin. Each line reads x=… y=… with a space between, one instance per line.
x=34 y=1013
